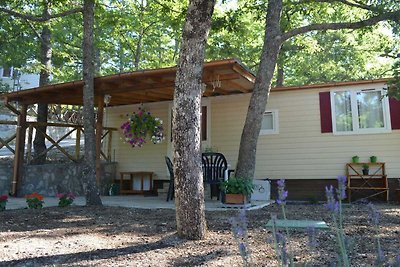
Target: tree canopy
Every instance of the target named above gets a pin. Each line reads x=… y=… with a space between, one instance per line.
x=138 y=34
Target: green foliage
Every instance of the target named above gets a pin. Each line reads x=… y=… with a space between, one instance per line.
x=238 y=185
x=140 y=126
x=3 y=202
x=4 y=87
x=65 y=199
x=132 y=35
x=34 y=201
x=315 y=57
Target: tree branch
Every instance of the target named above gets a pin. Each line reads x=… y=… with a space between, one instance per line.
x=354 y=3
x=341 y=25
x=34 y=30
x=40 y=18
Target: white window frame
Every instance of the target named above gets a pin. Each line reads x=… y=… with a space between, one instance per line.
x=354 y=109
x=275 y=122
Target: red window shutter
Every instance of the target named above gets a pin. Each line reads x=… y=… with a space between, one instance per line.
x=325 y=112
x=394 y=113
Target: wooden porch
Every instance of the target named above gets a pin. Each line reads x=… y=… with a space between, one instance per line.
x=223 y=77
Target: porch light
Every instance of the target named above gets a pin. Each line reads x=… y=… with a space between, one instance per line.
x=107 y=99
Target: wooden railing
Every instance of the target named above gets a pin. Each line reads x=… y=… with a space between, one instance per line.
x=6 y=142
x=55 y=143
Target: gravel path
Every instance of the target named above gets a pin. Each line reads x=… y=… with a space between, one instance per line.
x=116 y=236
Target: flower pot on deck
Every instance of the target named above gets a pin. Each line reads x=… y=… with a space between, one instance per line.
x=235 y=199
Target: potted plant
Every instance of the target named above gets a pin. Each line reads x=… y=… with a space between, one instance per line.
x=34 y=201
x=3 y=202
x=365 y=169
x=237 y=190
x=355 y=159
x=373 y=159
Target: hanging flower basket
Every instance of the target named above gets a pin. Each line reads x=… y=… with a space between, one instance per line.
x=142 y=126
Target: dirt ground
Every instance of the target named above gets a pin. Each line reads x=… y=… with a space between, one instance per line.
x=112 y=236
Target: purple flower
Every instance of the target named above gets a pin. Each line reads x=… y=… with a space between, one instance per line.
x=284 y=254
x=342 y=183
x=239 y=225
x=374 y=214
x=242 y=247
x=312 y=237
x=331 y=203
x=282 y=194
x=397 y=261
x=380 y=258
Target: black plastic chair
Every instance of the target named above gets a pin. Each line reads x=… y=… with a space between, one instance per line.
x=171 y=188
x=214 y=168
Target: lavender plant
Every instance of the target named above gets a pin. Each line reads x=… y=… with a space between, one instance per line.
x=281 y=201
x=312 y=237
x=374 y=216
x=335 y=208
x=280 y=240
x=240 y=233
x=396 y=262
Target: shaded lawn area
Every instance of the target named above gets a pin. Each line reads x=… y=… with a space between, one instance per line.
x=113 y=236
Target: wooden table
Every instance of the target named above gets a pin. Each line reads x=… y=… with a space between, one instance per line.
x=126 y=185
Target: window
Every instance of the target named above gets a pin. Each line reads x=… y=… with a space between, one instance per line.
x=360 y=111
x=6 y=72
x=204 y=123
x=269 y=124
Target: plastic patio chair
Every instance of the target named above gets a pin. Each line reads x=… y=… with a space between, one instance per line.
x=214 y=169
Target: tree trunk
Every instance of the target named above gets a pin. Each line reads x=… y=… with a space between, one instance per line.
x=44 y=79
x=280 y=76
x=189 y=190
x=138 y=50
x=272 y=45
x=89 y=172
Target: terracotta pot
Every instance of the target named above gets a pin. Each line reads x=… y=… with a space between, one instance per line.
x=235 y=199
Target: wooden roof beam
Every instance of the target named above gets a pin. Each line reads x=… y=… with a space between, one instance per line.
x=235 y=85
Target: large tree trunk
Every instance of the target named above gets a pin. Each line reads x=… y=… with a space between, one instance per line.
x=272 y=45
x=89 y=172
x=189 y=190
x=44 y=79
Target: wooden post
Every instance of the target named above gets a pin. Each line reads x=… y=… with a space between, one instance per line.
x=29 y=152
x=109 y=144
x=19 y=149
x=99 y=131
x=78 y=143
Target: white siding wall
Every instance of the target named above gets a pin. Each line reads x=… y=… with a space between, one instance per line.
x=26 y=80
x=150 y=157
x=299 y=151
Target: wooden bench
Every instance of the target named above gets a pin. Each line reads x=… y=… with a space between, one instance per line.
x=298 y=224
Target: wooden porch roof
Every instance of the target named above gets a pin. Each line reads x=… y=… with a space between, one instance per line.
x=222 y=77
